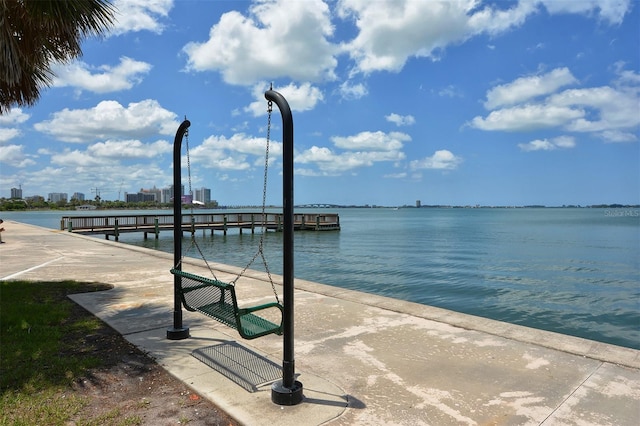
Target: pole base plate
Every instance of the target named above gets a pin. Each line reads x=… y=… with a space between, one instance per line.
x=282 y=395
x=177 y=333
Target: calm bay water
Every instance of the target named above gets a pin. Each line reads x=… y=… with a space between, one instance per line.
x=573 y=271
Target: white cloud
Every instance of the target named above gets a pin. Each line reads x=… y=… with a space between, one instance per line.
x=48 y=179
x=105 y=78
x=361 y=150
x=400 y=175
x=610 y=112
x=105 y=165
x=612 y=108
x=400 y=120
x=129 y=149
x=331 y=163
x=493 y=21
x=9 y=152
x=549 y=144
x=538 y=46
x=451 y=91
x=390 y=32
x=76 y=157
x=618 y=136
x=111 y=158
x=564 y=141
x=110 y=120
x=626 y=77
x=351 y=91
x=537 y=145
x=14 y=156
x=308 y=172
x=13 y=117
x=372 y=141
x=6 y=134
x=526 y=88
x=140 y=15
x=278 y=39
x=239 y=152
x=610 y=10
x=527 y=117
x=300 y=98
x=441 y=160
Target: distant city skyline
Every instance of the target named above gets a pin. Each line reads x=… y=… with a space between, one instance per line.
x=161 y=195
x=524 y=102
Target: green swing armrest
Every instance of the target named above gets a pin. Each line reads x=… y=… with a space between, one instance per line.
x=250 y=309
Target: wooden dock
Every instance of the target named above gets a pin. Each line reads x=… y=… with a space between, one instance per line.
x=114 y=225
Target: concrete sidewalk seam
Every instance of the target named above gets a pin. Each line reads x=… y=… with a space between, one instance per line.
x=564 y=401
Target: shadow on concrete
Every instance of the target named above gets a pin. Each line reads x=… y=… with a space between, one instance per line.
x=347 y=401
x=243 y=366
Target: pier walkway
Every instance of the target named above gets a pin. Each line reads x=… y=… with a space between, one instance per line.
x=363 y=359
x=114 y=225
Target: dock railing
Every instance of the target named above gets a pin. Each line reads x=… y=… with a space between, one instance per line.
x=154 y=223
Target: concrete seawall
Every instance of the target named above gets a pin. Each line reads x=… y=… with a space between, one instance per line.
x=363 y=359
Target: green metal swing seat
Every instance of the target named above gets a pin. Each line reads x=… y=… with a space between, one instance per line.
x=217 y=299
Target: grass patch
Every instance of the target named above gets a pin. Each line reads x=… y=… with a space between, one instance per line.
x=42 y=350
x=115 y=418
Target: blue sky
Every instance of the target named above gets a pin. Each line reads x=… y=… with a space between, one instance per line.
x=455 y=102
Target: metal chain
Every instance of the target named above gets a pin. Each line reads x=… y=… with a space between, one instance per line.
x=263 y=213
x=186 y=138
x=266 y=160
x=264 y=199
x=194 y=242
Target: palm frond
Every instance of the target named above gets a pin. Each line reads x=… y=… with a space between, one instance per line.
x=35 y=33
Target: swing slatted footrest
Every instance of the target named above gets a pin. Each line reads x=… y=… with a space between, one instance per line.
x=217 y=299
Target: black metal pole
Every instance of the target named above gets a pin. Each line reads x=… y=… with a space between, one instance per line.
x=287 y=391
x=178 y=332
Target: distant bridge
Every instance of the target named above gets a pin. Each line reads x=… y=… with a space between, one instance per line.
x=114 y=225
x=318 y=206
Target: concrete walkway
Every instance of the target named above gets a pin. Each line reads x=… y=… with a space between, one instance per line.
x=363 y=359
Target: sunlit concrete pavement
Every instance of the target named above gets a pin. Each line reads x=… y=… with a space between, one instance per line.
x=362 y=359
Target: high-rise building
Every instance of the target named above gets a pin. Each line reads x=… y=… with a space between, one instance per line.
x=78 y=196
x=418 y=203
x=56 y=197
x=165 y=195
x=155 y=191
x=16 y=193
x=140 y=197
x=203 y=195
